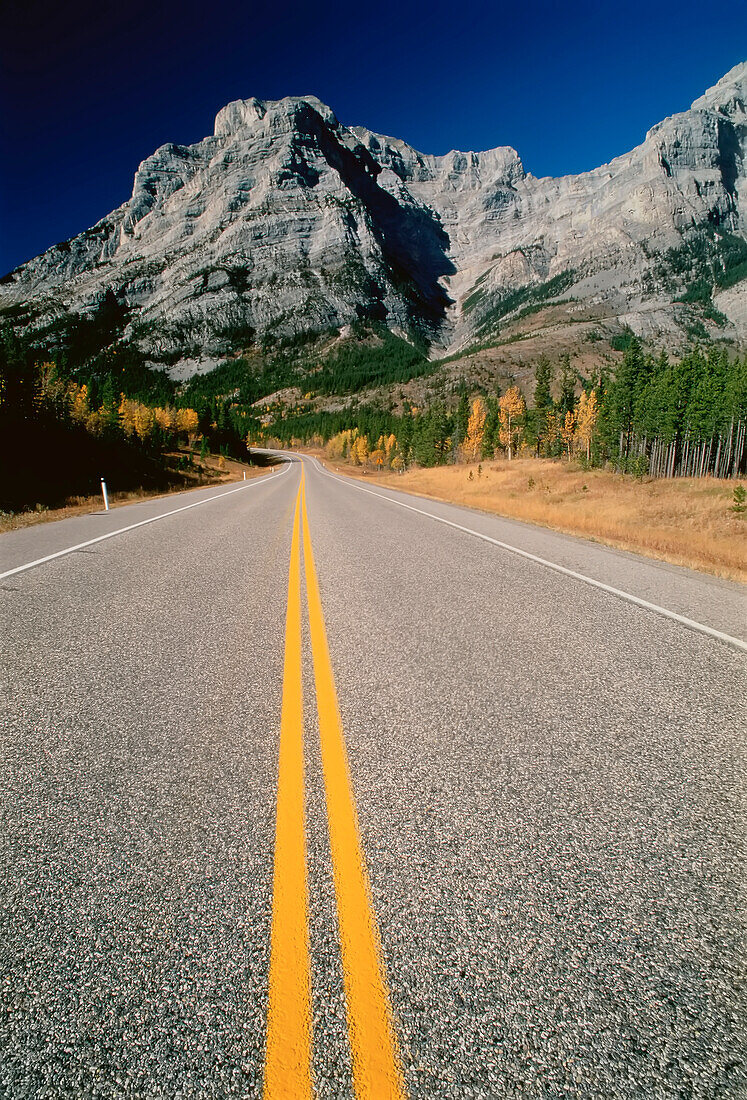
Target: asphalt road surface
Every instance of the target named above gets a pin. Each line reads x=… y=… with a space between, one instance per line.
x=499 y=854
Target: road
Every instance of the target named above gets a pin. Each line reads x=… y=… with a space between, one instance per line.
x=519 y=796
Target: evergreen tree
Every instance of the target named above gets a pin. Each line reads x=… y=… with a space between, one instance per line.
x=461 y=420
x=618 y=411
x=492 y=428
x=735 y=391
x=568 y=378
x=543 y=404
x=405 y=432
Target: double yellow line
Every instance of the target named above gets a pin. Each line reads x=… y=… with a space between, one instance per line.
x=377 y=1073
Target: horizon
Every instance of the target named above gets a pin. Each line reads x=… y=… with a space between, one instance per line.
x=73 y=79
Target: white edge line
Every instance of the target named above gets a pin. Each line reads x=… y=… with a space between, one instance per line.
x=122 y=530
x=737 y=643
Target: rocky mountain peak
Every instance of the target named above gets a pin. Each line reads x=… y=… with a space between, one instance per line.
x=728 y=95
x=245 y=114
x=285 y=221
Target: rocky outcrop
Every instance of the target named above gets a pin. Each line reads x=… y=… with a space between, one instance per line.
x=284 y=221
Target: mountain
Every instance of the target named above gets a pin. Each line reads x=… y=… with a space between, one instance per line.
x=284 y=221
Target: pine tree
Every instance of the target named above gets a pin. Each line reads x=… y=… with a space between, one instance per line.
x=441 y=430
x=618 y=410
x=406 y=432
x=543 y=377
x=568 y=377
x=461 y=420
x=492 y=428
x=543 y=402
x=426 y=441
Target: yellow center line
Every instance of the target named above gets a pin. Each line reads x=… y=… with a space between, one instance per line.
x=288 y=1051
x=377 y=1073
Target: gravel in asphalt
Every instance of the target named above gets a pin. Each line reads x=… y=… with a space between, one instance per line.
x=549 y=784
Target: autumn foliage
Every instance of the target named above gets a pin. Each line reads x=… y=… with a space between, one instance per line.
x=141 y=420
x=472 y=446
x=354 y=446
x=66 y=440
x=512 y=411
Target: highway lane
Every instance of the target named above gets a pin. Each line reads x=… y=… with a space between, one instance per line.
x=555 y=776
x=28 y=545
x=548 y=790
x=718 y=604
x=139 y=764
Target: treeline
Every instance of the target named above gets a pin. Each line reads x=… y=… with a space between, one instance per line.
x=58 y=443
x=657 y=415
x=385 y=359
x=670 y=417
x=72 y=411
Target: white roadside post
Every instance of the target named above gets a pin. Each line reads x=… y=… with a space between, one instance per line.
x=105 y=495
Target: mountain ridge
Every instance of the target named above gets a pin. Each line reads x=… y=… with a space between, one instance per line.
x=284 y=221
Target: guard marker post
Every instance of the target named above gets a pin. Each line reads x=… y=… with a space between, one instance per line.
x=105 y=495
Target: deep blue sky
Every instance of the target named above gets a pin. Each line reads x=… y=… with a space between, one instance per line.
x=91 y=87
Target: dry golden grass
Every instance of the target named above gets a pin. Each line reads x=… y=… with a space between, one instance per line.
x=214 y=474
x=687 y=521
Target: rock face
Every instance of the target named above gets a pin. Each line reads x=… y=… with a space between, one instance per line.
x=285 y=221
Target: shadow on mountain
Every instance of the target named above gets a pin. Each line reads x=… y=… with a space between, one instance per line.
x=729 y=152
x=412 y=238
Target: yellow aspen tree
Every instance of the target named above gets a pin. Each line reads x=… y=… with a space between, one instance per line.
x=337 y=446
x=472 y=446
x=361 y=450
x=97 y=420
x=348 y=445
x=553 y=429
x=349 y=450
x=352 y=448
x=164 y=418
x=144 y=420
x=568 y=431
x=511 y=408
x=390 y=446
x=186 y=421
x=377 y=457
x=79 y=410
x=586 y=420
x=127 y=413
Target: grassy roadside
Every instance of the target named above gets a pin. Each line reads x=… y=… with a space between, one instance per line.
x=686 y=521
x=212 y=473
